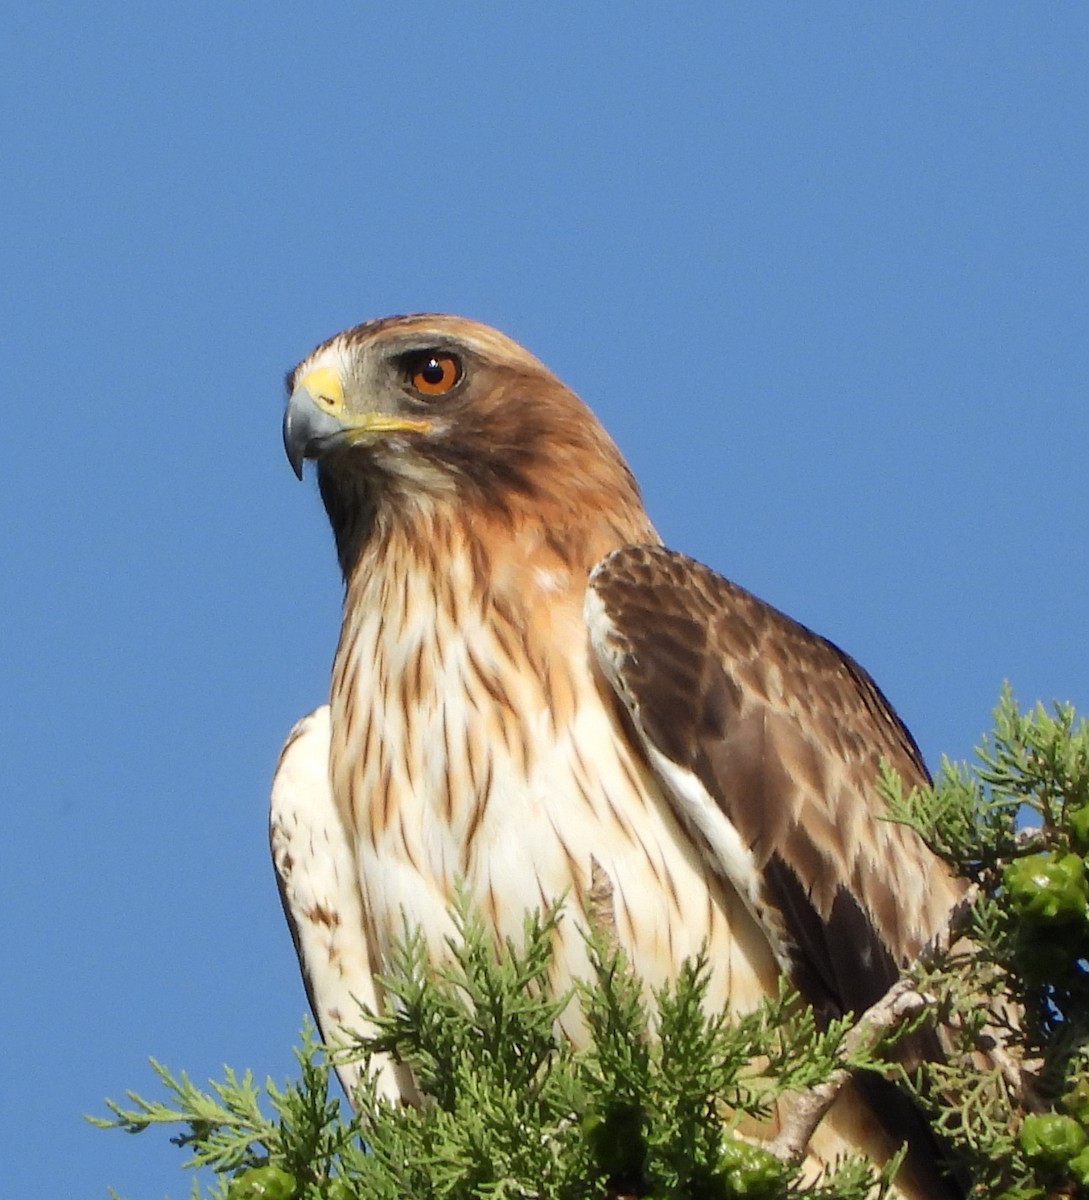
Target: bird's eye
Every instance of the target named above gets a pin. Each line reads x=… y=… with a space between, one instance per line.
x=434 y=374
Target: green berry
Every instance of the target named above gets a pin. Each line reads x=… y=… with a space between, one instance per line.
x=748 y=1171
x=1077 y=821
x=1047 y=887
x=1051 y=1140
x=1078 y=1167
x=1075 y=1100
x=262 y=1183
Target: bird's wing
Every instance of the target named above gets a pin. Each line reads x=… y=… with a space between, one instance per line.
x=768 y=740
x=316 y=873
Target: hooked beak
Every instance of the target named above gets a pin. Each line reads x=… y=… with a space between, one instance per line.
x=310 y=420
x=316 y=421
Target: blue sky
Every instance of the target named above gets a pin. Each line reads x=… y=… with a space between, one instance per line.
x=821 y=270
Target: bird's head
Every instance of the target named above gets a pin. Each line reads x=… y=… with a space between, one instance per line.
x=413 y=417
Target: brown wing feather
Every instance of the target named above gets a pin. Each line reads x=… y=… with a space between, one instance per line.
x=786 y=733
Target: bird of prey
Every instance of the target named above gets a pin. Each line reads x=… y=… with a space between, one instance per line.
x=528 y=683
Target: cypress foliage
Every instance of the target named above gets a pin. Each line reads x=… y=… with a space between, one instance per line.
x=652 y=1106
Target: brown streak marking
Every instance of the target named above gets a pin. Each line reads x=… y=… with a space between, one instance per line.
x=423 y=546
x=503 y=702
x=380 y=672
x=367 y=739
x=503 y=607
x=483 y=798
x=506 y=625
x=582 y=776
x=337 y=682
x=480 y=568
x=470 y=698
x=622 y=822
x=584 y=791
x=347 y=630
x=468 y=758
x=355 y=814
x=406 y=847
x=405 y=581
x=410 y=759
x=571 y=691
x=445 y=597
x=573 y=868
x=511 y=651
x=560 y=707
x=378 y=810
x=411 y=690
x=447 y=800
x=562 y=544
x=671 y=887
x=524 y=747
x=632 y=939
x=447 y=774
x=487 y=680
x=638 y=786
x=654 y=869
x=535 y=655
x=474 y=599
x=440 y=548
x=529 y=750
x=465 y=855
x=458 y=605
x=350 y=718
x=506 y=720
x=320 y=915
x=384 y=605
x=549 y=699
x=502 y=716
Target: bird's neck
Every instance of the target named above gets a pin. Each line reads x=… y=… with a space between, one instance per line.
x=446 y=597
x=519 y=554
x=567 y=509
x=464 y=569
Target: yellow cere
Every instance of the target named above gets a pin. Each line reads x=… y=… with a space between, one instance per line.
x=323 y=383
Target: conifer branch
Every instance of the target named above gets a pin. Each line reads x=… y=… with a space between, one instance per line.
x=803 y=1111
x=648 y=1106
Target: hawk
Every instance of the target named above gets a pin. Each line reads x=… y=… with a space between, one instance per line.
x=528 y=683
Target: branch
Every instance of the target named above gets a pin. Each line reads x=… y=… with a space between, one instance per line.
x=600 y=909
x=901 y=1002
x=806 y=1109
x=1018 y=1076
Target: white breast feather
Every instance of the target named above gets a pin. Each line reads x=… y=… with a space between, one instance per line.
x=517 y=816
x=316 y=869
x=552 y=799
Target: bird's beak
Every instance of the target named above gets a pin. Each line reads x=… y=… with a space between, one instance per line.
x=316 y=420
x=313 y=417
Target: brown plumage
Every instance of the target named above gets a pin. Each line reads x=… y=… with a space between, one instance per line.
x=527 y=682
